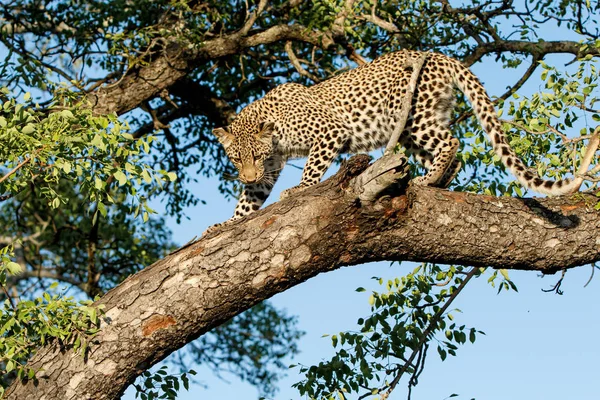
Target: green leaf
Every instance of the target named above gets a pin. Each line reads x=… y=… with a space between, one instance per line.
x=13 y=268
x=67 y=114
x=102 y=209
x=98 y=142
x=146 y=176
x=28 y=129
x=442 y=353
x=120 y=177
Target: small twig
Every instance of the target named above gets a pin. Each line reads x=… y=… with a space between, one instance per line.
x=556 y=287
x=586 y=108
x=100 y=81
x=525 y=129
x=357 y=58
x=252 y=17
x=294 y=166
x=374 y=19
x=164 y=94
x=447 y=281
x=155 y=121
x=8 y=296
x=591 y=276
x=296 y=63
x=15 y=169
x=590 y=152
x=419 y=367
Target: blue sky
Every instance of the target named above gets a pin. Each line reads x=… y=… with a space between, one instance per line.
x=537 y=345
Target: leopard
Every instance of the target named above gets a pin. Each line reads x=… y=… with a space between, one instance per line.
x=357 y=111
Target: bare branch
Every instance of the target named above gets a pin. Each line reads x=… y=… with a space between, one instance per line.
x=538 y=49
x=147 y=82
x=416 y=66
x=252 y=17
x=296 y=63
x=374 y=19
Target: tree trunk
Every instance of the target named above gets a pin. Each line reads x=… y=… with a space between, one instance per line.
x=331 y=225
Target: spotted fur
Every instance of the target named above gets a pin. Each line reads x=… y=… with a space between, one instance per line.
x=357 y=111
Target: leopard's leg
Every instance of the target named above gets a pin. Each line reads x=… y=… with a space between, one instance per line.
x=433 y=143
x=450 y=174
x=444 y=154
x=425 y=159
x=254 y=195
x=320 y=157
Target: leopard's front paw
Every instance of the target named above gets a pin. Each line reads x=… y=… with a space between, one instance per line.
x=288 y=192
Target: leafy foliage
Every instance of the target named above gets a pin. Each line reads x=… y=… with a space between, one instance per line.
x=40 y=149
x=161 y=384
x=29 y=324
x=411 y=314
x=395 y=338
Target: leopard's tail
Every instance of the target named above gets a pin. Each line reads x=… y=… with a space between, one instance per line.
x=484 y=109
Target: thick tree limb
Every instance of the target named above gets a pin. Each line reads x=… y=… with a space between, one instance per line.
x=175 y=62
x=327 y=226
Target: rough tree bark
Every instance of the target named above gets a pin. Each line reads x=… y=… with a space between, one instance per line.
x=200 y=286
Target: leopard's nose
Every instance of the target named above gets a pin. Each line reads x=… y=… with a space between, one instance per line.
x=248 y=175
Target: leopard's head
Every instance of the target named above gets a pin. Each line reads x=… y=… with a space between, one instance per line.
x=247 y=145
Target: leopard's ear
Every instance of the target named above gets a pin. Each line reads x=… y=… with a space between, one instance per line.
x=266 y=131
x=223 y=135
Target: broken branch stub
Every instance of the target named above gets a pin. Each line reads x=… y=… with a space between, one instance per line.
x=388 y=172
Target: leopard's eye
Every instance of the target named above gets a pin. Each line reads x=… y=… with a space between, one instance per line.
x=235 y=160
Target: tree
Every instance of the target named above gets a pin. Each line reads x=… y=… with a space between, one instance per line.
x=127 y=90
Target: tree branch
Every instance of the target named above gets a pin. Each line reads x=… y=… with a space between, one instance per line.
x=324 y=227
x=176 y=61
x=537 y=49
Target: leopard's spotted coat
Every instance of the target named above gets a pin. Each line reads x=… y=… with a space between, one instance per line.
x=357 y=111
